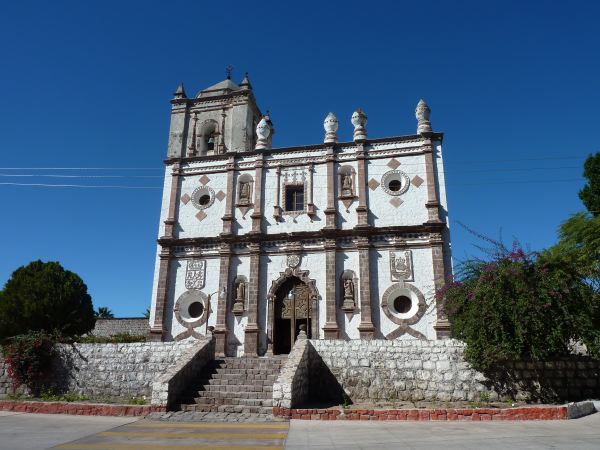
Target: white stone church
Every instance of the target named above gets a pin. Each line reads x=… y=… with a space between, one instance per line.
x=341 y=240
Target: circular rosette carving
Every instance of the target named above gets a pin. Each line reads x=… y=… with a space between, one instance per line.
x=395 y=182
x=403 y=304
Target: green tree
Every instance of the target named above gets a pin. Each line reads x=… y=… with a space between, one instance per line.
x=590 y=194
x=45 y=296
x=104 y=313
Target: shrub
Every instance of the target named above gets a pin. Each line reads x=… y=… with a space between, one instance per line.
x=29 y=358
x=519 y=306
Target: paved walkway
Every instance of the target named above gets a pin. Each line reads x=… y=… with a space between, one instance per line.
x=41 y=431
x=152 y=435
x=583 y=433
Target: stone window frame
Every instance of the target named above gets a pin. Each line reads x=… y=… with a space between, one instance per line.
x=390 y=295
x=198 y=192
x=395 y=175
x=296 y=177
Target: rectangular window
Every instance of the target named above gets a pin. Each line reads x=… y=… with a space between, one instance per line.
x=294 y=198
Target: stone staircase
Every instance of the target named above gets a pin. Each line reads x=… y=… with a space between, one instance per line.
x=235 y=385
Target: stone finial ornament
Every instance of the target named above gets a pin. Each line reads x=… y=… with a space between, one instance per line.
x=180 y=92
x=359 y=120
x=263 y=131
x=331 y=125
x=422 y=114
x=245 y=84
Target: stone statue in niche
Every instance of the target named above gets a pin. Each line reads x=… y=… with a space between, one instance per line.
x=347 y=188
x=244 y=197
x=240 y=297
x=348 y=295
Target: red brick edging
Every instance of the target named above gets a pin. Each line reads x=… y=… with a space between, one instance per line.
x=476 y=414
x=80 y=409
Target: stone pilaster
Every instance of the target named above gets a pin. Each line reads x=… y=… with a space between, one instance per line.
x=257 y=214
x=362 y=210
x=433 y=203
x=365 y=327
x=229 y=199
x=442 y=326
x=330 y=328
x=331 y=210
x=251 y=333
x=158 y=328
x=221 y=332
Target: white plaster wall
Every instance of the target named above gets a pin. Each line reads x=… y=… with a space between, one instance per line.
x=423 y=281
x=412 y=211
x=177 y=288
x=164 y=211
x=188 y=224
x=348 y=261
x=240 y=265
x=243 y=224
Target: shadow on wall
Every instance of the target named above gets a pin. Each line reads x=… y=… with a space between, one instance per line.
x=324 y=390
x=571 y=379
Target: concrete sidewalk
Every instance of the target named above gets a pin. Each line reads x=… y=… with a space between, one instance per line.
x=41 y=431
x=581 y=433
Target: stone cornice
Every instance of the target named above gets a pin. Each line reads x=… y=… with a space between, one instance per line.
x=258 y=238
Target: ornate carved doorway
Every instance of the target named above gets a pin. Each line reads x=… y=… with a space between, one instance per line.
x=292 y=312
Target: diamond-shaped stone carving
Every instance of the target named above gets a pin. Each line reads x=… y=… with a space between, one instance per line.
x=393 y=164
x=396 y=202
x=220 y=195
x=373 y=184
x=185 y=199
x=417 y=181
x=203 y=180
x=201 y=216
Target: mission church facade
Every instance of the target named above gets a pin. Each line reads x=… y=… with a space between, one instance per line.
x=340 y=240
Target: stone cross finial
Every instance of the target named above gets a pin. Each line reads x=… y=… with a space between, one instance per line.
x=422 y=114
x=331 y=126
x=245 y=84
x=263 y=131
x=359 y=120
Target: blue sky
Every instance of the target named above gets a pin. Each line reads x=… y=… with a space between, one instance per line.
x=514 y=85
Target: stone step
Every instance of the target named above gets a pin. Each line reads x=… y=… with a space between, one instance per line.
x=235 y=382
x=229 y=401
x=231 y=378
x=240 y=409
x=227 y=394
x=236 y=388
x=246 y=371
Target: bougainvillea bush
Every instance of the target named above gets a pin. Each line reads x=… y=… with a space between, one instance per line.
x=519 y=306
x=29 y=358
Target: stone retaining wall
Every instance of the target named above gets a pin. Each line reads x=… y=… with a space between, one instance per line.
x=115 y=371
x=135 y=326
x=417 y=370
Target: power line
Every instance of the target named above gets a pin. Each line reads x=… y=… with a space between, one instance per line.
x=82 y=168
x=80 y=186
x=44 y=175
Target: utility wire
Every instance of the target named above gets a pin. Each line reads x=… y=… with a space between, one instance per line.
x=79 y=186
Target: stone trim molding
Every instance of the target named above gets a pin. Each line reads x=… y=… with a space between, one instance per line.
x=441 y=414
x=79 y=409
x=386 y=299
x=173 y=383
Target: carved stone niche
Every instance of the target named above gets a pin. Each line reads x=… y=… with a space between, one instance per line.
x=346 y=185
x=240 y=286
x=245 y=188
x=348 y=286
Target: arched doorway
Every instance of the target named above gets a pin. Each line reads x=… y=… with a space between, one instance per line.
x=292 y=313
